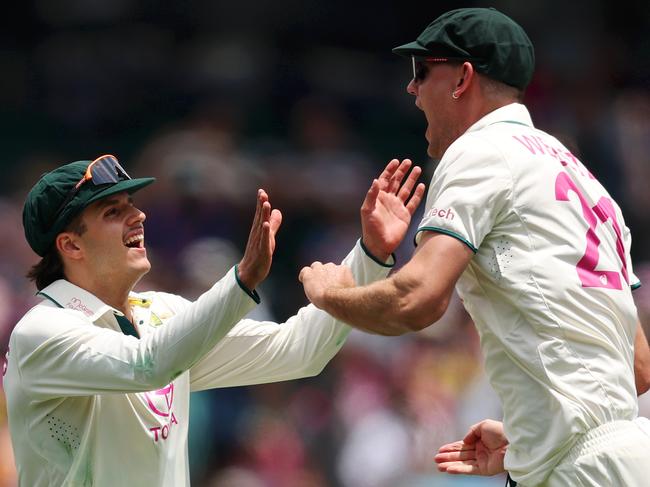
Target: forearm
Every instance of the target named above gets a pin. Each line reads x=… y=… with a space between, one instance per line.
x=410 y=300
x=389 y=307
x=368 y=308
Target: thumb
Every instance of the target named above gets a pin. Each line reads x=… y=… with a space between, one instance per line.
x=371 y=197
x=473 y=435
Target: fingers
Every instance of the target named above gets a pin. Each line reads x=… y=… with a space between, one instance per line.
x=398 y=177
x=455 y=446
x=416 y=199
x=456 y=456
x=408 y=185
x=275 y=221
x=262 y=197
x=267 y=249
x=387 y=174
x=464 y=468
x=266 y=212
x=305 y=271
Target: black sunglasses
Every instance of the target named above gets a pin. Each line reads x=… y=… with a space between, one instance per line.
x=421 y=68
x=103 y=170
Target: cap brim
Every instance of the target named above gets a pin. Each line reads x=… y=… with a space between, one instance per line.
x=129 y=185
x=411 y=49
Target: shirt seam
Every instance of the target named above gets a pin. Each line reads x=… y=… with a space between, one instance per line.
x=512 y=192
x=577 y=356
x=447 y=232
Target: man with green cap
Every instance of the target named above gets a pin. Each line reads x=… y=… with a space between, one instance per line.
x=538 y=252
x=98 y=378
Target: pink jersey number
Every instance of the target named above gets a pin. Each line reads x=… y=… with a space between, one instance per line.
x=603 y=211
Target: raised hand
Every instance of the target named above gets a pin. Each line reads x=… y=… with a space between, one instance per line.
x=389 y=205
x=256 y=263
x=481 y=452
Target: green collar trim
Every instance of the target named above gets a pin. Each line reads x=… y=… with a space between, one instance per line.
x=126 y=326
x=512 y=121
x=41 y=293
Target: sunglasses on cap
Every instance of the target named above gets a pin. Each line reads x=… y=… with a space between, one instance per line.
x=421 y=68
x=103 y=170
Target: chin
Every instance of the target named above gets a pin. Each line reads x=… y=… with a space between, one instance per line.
x=141 y=267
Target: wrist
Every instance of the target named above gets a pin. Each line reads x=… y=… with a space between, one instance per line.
x=379 y=256
x=247 y=284
x=322 y=301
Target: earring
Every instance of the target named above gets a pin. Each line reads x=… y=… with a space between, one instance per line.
x=454 y=95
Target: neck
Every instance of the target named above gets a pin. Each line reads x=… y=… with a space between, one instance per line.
x=115 y=294
x=478 y=108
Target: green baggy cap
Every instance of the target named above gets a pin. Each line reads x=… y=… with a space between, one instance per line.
x=494 y=43
x=40 y=221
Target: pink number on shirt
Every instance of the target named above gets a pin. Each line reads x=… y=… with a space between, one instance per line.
x=603 y=211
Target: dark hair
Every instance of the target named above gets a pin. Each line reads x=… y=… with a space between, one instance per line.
x=50 y=267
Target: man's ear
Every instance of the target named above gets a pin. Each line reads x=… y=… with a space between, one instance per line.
x=68 y=245
x=465 y=79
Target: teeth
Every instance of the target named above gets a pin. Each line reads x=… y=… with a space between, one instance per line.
x=134 y=239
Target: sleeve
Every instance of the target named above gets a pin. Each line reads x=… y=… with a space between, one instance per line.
x=257 y=352
x=58 y=352
x=468 y=191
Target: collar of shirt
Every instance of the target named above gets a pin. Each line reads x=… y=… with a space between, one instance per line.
x=513 y=113
x=67 y=295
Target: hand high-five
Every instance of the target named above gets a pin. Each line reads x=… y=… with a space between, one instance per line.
x=385 y=217
x=389 y=205
x=256 y=263
x=481 y=452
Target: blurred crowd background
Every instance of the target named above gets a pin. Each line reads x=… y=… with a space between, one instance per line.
x=304 y=99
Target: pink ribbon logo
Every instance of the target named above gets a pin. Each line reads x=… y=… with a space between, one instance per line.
x=160 y=401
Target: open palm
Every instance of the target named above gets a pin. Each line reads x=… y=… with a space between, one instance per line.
x=481 y=452
x=388 y=207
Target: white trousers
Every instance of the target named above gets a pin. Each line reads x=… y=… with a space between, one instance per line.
x=616 y=454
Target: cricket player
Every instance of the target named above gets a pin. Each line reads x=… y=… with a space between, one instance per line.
x=540 y=255
x=98 y=378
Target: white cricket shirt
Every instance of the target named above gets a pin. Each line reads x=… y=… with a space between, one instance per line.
x=549 y=287
x=91 y=406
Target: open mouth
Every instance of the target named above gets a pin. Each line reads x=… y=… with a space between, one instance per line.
x=135 y=241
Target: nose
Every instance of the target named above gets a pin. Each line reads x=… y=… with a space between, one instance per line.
x=411 y=88
x=137 y=216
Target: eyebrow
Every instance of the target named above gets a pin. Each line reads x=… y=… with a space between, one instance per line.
x=112 y=201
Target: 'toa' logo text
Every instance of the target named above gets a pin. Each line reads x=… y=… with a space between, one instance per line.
x=160 y=403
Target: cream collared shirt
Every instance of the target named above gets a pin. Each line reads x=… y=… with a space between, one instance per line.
x=91 y=406
x=549 y=287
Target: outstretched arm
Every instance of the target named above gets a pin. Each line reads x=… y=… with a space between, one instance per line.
x=54 y=345
x=410 y=300
x=257 y=352
x=481 y=452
